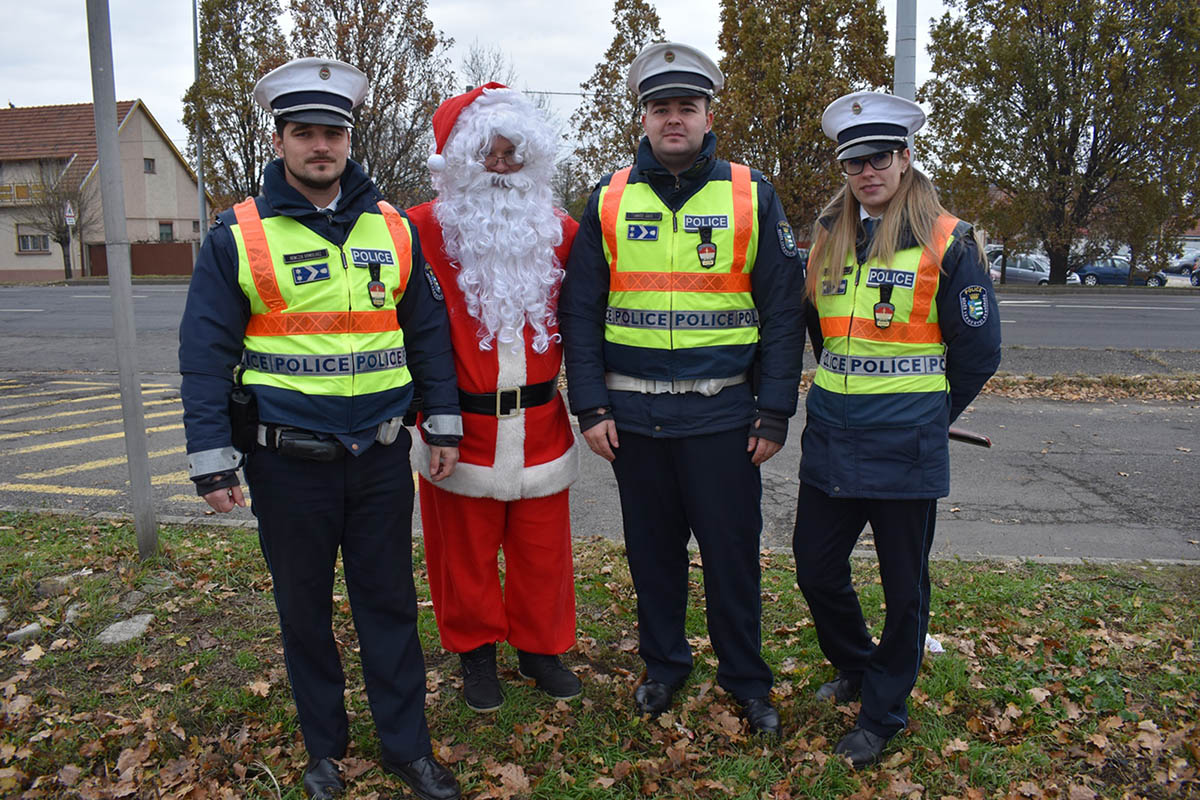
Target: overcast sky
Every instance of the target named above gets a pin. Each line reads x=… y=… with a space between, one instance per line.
x=46 y=58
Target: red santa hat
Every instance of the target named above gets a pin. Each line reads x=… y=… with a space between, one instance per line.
x=445 y=117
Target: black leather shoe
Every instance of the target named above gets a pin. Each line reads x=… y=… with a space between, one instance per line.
x=549 y=674
x=842 y=689
x=653 y=697
x=862 y=747
x=761 y=716
x=323 y=779
x=426 y=776
x=481 y=687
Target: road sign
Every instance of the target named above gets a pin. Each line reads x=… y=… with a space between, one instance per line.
x=69 y=214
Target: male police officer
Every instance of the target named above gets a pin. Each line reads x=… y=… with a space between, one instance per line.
x=314 y=293
x=682 y=324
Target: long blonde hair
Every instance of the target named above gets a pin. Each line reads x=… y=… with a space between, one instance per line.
x=915 y=207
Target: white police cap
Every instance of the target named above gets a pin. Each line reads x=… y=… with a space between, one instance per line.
x=671 y=69
x=864 y=123
x=319 y=91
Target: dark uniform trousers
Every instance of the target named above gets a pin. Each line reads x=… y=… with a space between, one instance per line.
x=826 y=531
x=306 y=511
x=707 y=486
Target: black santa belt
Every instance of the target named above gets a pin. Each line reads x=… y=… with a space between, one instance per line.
x=508 y=402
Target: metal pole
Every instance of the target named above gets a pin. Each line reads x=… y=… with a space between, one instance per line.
x=199 y=134
x=904 y=79
x=112 y=193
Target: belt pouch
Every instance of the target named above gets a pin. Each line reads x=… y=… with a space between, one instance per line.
x=302 y=444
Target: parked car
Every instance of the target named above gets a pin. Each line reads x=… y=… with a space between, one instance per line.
x=1195 y=277
x=1027 y=268
x=1115 y=272
x=1185 y=264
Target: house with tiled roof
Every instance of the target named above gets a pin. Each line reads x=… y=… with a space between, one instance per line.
x=48 y=153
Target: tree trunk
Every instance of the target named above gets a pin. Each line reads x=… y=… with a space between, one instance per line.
x=66 y=251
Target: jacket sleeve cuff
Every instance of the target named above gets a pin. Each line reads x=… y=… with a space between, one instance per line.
x=207 y=462
x=770 y=426
x=592 y=417
x=442 y=430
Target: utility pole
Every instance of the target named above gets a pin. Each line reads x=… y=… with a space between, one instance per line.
x=199 y=133
x=904 y=78
x=112 y=193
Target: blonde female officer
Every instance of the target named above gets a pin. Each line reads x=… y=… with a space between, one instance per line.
x=911 y=333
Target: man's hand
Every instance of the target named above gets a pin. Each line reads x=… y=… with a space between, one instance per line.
x=442 y=461
x=602 y=438
x=760 y=448
x=224 y=500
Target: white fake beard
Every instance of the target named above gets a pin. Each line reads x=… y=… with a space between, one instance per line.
x=502 y=231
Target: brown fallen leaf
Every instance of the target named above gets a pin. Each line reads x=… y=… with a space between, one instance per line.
x=259 y=688
x=33 y=654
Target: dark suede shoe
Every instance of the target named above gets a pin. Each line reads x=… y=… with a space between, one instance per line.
x=549 y=674
x=426 y=776
x=761 y=716
x=862 y=747
x=481 y=688
x=653 y=697
x=842 y=689
x=323 y=779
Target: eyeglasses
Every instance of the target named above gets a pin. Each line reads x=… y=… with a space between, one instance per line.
x=509 y=159
x=878 y=161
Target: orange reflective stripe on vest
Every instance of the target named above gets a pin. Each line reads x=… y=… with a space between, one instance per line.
x=678 y=282
x=743 y=216
x=258 y=254
x=375 y=321
x=403 y=242
x=918 y=330
x=608 y=217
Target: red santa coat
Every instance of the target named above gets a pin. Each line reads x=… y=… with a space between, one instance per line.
x=532 y=454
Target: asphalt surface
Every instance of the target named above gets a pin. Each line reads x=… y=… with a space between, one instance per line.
x=1064 y=480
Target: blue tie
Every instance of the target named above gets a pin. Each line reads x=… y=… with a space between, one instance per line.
x=869 y=225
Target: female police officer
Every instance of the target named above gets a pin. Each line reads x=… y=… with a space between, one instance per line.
x=911 y=333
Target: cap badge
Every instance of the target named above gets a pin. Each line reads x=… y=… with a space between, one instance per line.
x=669 y=56
x=324 y=73
x=856 y=108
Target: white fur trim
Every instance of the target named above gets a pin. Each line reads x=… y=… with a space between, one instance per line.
x=476 y=480
x=436 y=162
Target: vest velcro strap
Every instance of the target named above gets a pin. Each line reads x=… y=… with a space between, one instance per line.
x=679 y=282
x=402 y=241
x=291 y=324
x=906 y=332
x=258 y=254
x=743 y=214
x=612 y=208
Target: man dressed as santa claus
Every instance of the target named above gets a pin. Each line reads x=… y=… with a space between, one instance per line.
x=496 y=244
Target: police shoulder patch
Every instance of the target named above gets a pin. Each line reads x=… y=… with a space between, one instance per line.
x=435 y=288
x=973 y=303
x=787 y=240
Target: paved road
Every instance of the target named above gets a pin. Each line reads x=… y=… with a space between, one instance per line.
x=1097 y=480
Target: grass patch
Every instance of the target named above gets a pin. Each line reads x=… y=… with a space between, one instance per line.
x=1057 y=681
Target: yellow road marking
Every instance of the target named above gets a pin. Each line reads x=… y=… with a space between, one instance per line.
x=39 y=488
x=57 y=414
x=186 y=498
x=81 y=425
x=99 y=463
x=72 y=442
x=61 y=391
x=44 y=403
x=180 y=477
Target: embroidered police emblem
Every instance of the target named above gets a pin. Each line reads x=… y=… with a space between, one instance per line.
x=972 y=301
x=787 y=240
x=642 y=233
x=707 y=253
x=434 y=287
x=310 y=273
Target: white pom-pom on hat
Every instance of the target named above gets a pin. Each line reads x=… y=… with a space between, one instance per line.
x=436 y=162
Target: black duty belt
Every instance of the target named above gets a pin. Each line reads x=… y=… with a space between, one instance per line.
x=508 y=402
x=297 y=443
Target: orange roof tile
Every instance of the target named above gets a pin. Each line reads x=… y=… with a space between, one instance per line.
x=59 y=132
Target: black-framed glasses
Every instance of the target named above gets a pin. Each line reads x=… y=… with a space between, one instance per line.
x=878 y=161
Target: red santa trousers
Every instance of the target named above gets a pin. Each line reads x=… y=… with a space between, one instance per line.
x=534 y=610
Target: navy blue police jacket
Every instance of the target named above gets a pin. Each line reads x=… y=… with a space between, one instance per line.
x=217 y=312
x=774 y=363
x=875 y=457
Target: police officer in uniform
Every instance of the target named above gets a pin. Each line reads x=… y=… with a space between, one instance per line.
x=682 y=326
x=911 y=334
x=313 y=300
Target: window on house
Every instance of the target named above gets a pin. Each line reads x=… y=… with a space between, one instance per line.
x=195 y=226
x=166 y=232
x=29 y=241
x=148 y=164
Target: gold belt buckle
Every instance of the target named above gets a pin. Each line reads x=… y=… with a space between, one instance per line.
x=516 y=409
